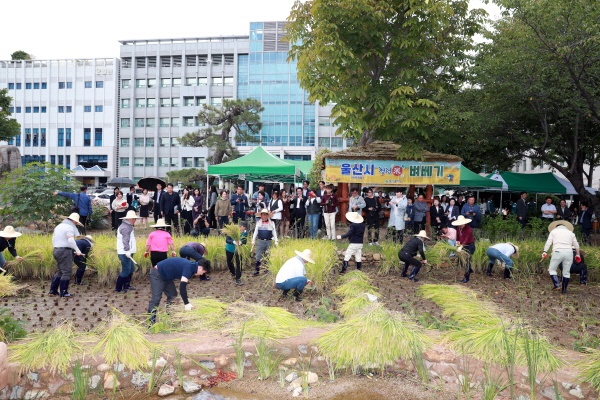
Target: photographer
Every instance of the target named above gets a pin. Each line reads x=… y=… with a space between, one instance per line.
x=201 y=226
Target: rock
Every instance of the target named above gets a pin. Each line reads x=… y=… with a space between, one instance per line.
x=303 y=349
x=321 y=358
x=165 y=390
x=118 y=367
x=549 y=393
x=33 y=376
x=16 y=393
x=297 y=392
x=10 y=158
x=161 y=362
x=247 y=363
x=522 y=397
x=206 y=395
x=284 y=351
x=248 y=354
x=296 y=383
x=140 y=379
x=191 y=387
x=576 y=391
x=111 y=381
x=376 y=257
x=221 y=361
x=291 y=376
x=208 y=364
x=93 y=381
x=193 y=372
x=36 y=394
x=290 y=361
x=103 y=367
x=312 y=378
x=567 y=385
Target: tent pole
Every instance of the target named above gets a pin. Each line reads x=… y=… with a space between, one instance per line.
x=207 y=191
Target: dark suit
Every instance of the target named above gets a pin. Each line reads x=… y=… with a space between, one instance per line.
x=585 y=220
x=437 y=212
x=522 y=212
x=564 y=214
x=298 y=216
x=130 y=198
x=169 y=205
x=453 y=213
x=156 y=207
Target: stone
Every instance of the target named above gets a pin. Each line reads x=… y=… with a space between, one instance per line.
x=191 y=387
x=291 y=376
x=118 y=367
x=165 y=390
x=576 y=392
x=16 y=393
x=522 y=397
x=567 y=385
x=193 y=372
x=208 y=364
x=103 y=367
x=549 y=393
x=376 y=257
x=110 y=381
x=295 y=384
x=221 y=361
x=248 y=354
x=93 y=381
x=140 y=379
x=10 y=158
x=284 y=351
x=303 y=349
x=297 y=392
x=161 y=362
x=36 y=394
x=312 y=378
x=290 y=361
x=206 y=395
x=33 y=376
x=247 y=363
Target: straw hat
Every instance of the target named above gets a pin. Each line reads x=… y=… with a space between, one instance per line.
x=9 y=232
x=160 y=223
x=354 y=217
x=422 y=234
x=461 y=220
x=559 y=222
x=87 y=237
x=516 y=254
x=130 y=215
x=306 y=255
x=265 y=211
x=75 y=218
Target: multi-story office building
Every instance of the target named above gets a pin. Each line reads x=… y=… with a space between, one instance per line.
x=66 y=109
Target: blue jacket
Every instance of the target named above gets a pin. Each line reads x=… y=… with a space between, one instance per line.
x=473 y=212
x=585 y=219
x=239 y=207
x=420 y=209
x=80 y=200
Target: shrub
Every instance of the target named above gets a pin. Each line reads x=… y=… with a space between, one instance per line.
x=10 y=328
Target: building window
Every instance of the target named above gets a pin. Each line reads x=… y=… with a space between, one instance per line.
x=98 y=137
x=124 y=103
x=61 y=160
x=124 y=142
x=125 y=83
x=151 y=82
x=150 y=122
x=28 y=85
x=87 y=137
x=177 y=61
x=200 y=100
x=36 y=85
x=138 y=142
x=126 y=62
x=151 y=62
x=88 y=84
x=524 y=165
x=99 y=108
x=43 y=110
x=140 y=62
x=139 y=122
x=18 y=87
x=44 y=85
x=69 y=85
x=68 y=109
x=175 y=121
x=216 y=101
x=199 y=162
x=11 y=86
x=165 y=61
x=175 y=102
x=228 y=81
x=124 y=162
x=324 y=121
x=188 y=101
x=163 y=161
x=67 y=137
x=165 y=142
x=217 y=81
x=139 y=103
x=17 y=110
x=61 y=85
x=18 y=140
x=28 y=110
x=187 y=162
x=68 y=163
x=149 y=162
x=140 y=83
x=53 y=160
x=165 y=122
x=188 y=121
x=150 y=103
x=138 y=161
x=89 y=161
x=165 y=102
x=191 y=81
x=125 y=122
x=36 y=109
x=99 y=84
x=36 y=137
x=43 y=137
x=325 y=142
x=61 y=109
x=202 y=81
x=61 y=137
x=165 y=82
x=337 y=142
x=87 y=108
x=176 y=82
x=149 y=142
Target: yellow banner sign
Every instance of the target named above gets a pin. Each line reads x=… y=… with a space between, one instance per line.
x=392 y=173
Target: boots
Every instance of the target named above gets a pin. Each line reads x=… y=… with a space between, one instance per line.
x=79 y=277
x=413 y=274
x=344 y=267
x=285 y=293
x=64 y=289
x=298 y=294
x=404 y=270
x=204 y=277
x=583 y=277
x=489 y=270
x=554 y=279
x=54 y=286
x=565 y=283
x=358 y=265
x=120 y=283
x=127 y=283
x=257 y=269
x=507 y=273
x=467 y=276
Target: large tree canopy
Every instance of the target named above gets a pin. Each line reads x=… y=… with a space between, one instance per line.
x=241 y=115
x=382 y=62
x=9 y=127
x=20 y=55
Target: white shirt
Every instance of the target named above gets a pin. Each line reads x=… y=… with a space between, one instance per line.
x=561 y=239
x=504 y=248
x=548 y=207
x=276 y=207
x=292 y=268
x=63 y=232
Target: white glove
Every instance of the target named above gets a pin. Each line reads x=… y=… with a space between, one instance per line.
x=128 y=254
x=188 y=307
x=459 y=249
x=276 y=244
x=338 y=237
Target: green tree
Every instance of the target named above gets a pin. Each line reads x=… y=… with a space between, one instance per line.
x=241 y=115
x=188 y=176
x=26 y=194
x=382 y=62
x=9 y=127
x=20 y=55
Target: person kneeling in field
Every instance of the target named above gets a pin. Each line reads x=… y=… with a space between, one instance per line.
x=292 y=274
x=503 y=253
x=165 y=272
x=409 y=251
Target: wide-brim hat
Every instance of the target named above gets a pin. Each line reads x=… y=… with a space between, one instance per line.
x=9 y=232
x=265 y=211
x=354 y=217
x=516 y=254
x=306 y=255
x=130 y=215
x=461 y=220
x=559 y=222
x=86 y=237
x=160 y=223
x=422 y=234
x=75 y=218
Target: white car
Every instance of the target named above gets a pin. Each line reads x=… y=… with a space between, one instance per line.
x=101 y=198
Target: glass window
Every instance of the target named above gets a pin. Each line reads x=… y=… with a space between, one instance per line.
x=124 y=142
x=125 y=83
x=43 y=110
x=228 y=81
x=139 y=103
x=150 y=122
x=88 y=84
x=139 y=122
x=175 y=102
x=99 y=108
x=188 y=121
x=98 y=137
x=36 y=85
x=165 y=61
x=216 y=101
x=87 y=137
x=176 y=82
x=165 y=82
x=149 y=162
x=324 y=121
x=138 y=142
x=124 y=162
x=175 y=121
x=99 y=84
x=36 y=109
x=140 y=83
x=337 y=142
x=165 y=102
x=188 y=101
x=87 y=108
x=151 y=62
x=202 y=81
x=187 y=162
x=44 y=85
x=68 y=109
x=191 y=81
x=28 y=110
x=138 y=161
x=163 y=161
x=165 y=142
x=217 y=81
x=149 y=142
x=200 y=100
x=69 y=85
x=124 y=103
x=43 y=137
x=165 y=122
x=61 y=137
x=61 y=109
x=150 y=103
x=61 y=85
x=151 y=82
x=11 y=86
x=125 y=123
x=18 y=86
x=174 y=143
x=325 y=142
x=199 y=162
x=28 y=85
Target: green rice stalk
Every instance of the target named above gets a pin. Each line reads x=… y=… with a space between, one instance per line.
x=356 y=287
x=81 y=386
x=8 y=287
x=390 y=261
x=233 y=231
x=54 y=349
x=208 y=313
x=352 y=305
x=589 y=368
x=122 y=341
x=266 y=359
x=439 y=253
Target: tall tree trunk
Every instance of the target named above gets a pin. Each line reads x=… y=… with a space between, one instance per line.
x=217 y=157
x=366 y=138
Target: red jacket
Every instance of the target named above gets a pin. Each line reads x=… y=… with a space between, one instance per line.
x=465 y=235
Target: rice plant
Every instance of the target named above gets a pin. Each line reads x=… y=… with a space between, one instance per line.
x=235 y=233
x=208 y=313
x=389 y=258
x=266 y=359
x=358 y=342
x=123 y=342
x=81 y=387
x=491 y=386
x=240 y=354
x=355 y=283
x=54 y=349
x=589 y=368
x=8 y=287
x=439 y=253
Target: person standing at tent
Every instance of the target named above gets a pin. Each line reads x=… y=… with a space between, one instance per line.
x=265 y=234
x=563 y=241
x=522 y=210
x=472 y=211
x=421 y=209
x=223 y=209
x=585 y=220
x=548 y=210
x=490 y=207
x=563 y=212
x=329 y=201
x=239 y=201
x=466 y=244
x=313 y=209
x=298 y=213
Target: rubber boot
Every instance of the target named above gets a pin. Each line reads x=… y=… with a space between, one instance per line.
x=554 y=279
x=344 y=267
x=489 y=270
x=120 y=283
x=507 y=273
x=257 y=269
x=358 y=265
x=79 y=277
x=298 y=295
x=64 y=289
x=404 y=270
x=54 y=286
x=127 y=283
x=467 y=276
x=413 y=274
x=583 y=277
x=565 y=283
x=285 y=293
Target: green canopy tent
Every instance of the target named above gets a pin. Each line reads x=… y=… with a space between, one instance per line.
x=471 y=180
x=545 y=182
x=303 y=166
x=258 y=165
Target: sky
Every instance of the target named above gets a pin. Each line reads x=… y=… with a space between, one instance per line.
x=84 y=29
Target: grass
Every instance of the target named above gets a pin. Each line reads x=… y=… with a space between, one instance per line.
x=54 y=350
x=208 y=313
x=240 y=354
x=389 y=258
x=10 y=328
x=590 y=368
x=81 y=386
x=266 y=359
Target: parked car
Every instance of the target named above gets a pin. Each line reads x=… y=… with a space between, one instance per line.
x=101 y=198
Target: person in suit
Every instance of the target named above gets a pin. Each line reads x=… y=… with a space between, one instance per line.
x=585 y=220
x=452 y=212
x=298 y=213
x=131 y=197
x=522 y=211
x=563 y=212
x=170 y=207
x=436 y=215
x=156 y=197
x=113 y=219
